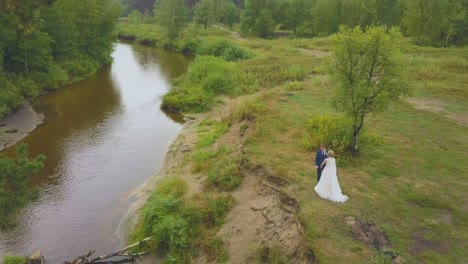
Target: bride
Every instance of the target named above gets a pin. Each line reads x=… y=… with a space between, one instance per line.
x=328 y=186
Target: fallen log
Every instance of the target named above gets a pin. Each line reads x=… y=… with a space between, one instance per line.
x=86 y=259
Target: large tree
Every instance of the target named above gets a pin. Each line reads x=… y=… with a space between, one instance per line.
x=424 y=19
x=259 y=17
x=369 y=72
x=171 y=15
x=204 y=13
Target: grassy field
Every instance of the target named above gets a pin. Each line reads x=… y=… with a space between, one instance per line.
x=411 y=183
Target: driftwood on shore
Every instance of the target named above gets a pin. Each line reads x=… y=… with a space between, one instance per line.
x=128 y=257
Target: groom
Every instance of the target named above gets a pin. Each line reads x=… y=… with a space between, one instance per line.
x=319 y=158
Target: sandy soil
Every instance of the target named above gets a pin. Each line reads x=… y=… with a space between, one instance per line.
x=263 y=214
x=18 y=125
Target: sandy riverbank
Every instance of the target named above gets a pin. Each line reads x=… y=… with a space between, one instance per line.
x=18 y=125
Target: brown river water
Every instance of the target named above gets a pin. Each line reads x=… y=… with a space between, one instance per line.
x=103 y=137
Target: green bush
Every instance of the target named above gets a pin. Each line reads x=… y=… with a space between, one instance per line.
x=218 y=209
x=195 y=91
x=335 y=131
x=268 y=254
x=235 y=53
x=216 y=251
x=225 y=174
x=188 y=99
x=210 y=72
x=174 y=224
x=215 y=48
x=8 y=259
x=248 y=110
x=225 y=49
x=191 y=46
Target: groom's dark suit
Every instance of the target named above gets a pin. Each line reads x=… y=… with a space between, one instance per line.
x=319 y=158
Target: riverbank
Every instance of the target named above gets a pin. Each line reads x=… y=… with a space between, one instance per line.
x=400 y=208
x=18 y=125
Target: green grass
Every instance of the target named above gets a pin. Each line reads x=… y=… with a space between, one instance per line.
x=8 y=259
x=406 y=185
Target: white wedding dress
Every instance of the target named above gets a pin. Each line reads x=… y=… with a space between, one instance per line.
x=328 y=186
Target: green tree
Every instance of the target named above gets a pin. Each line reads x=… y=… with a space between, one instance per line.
x=171 y=15
x=204 y=12
x=424 y=19
x=390 y=12
x=135 y=17
x=297 y=13
x=15 y=188
x=358 y=13
x=231 y=15
x=258 y=17
x=369 y=71
x=326 y=16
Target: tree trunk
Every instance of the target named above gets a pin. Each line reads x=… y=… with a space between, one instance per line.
x=354 y=148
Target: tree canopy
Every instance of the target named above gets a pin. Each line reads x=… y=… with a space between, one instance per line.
x=369 y=72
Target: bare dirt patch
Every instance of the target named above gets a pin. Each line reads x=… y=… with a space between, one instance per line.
x=237 y=37
x=438 y=107
x=264 y=215
x=421 y=244
x=373 y=236
x=316 y=53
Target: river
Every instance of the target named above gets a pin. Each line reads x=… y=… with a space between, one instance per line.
x=103 y=137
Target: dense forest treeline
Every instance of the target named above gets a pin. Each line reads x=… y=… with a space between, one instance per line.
x=428 y=22
x=45 y=44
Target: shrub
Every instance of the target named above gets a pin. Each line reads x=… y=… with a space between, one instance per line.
x=235 y=53
x=248 y=110
x=191 y=46
x=8 y=259
x=225 y=49
x=216 y=251
x=219 y=83
x=268 y=254
x=293 y=73
x=225 y=174
x=188 y=99
x=218 y=209
x=207 y=76
x=174 y=225
x=335 y=131
x=215 y=48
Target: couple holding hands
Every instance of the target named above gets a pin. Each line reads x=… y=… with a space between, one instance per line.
x=328 y=186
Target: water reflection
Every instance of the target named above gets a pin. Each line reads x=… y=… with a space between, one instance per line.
x=102 y=137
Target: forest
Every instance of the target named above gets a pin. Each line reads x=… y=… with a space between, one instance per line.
x=47 y=44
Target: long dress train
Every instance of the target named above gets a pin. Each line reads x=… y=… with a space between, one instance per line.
x=328 y=187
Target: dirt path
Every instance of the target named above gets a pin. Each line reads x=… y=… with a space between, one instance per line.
x=439 y=107
x=237 y=37
x=316 y=53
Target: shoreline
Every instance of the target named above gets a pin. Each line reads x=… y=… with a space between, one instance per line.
x=17 y=125
x=138 y=197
